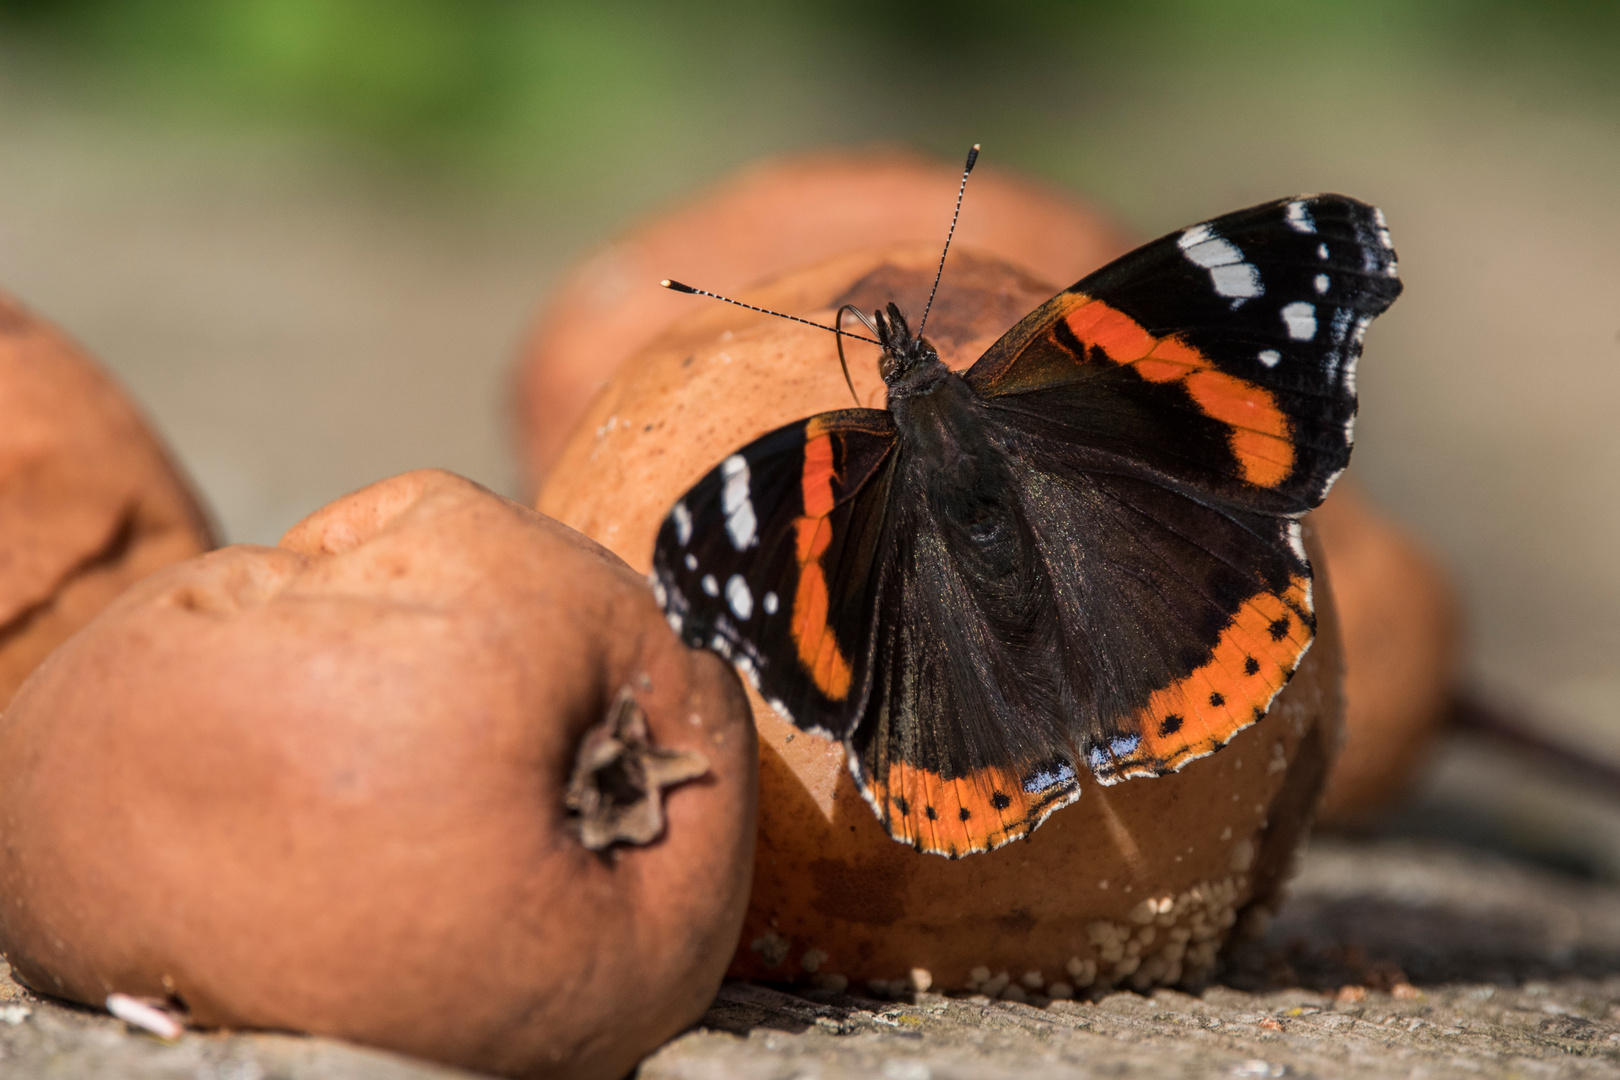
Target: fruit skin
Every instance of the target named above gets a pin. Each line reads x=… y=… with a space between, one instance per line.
x=90 y=501
x=319 y=787
x=768 y=217
x=833 y=895
x=1401 y=644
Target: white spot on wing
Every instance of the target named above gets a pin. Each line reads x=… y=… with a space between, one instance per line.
x=1296 y=540
x=738 y=596
x=1360 y=332
x=1269 y=357
x=1299 y=218
x=1239 y=282
x=682 y=517
x=1321 y=251
x=1301 y=319
x=691 y=561
x=1194 y=236
x=770 y=603
x=735 y=503
x=1321 y=283
x=676 y=623
x=1231 y=276
x=710 y=586
x=1383 y=231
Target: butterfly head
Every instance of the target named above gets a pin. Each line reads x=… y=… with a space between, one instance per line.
x=910 y=363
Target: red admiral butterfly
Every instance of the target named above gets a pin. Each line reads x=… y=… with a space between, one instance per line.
x=1082 y=554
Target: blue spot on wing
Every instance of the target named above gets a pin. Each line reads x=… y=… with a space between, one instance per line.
x=1049 y=777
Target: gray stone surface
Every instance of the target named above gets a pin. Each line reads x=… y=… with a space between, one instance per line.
x=1516 y=972
x=1458 y=964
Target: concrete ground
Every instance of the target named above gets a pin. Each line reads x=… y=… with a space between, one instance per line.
x=1390 y=960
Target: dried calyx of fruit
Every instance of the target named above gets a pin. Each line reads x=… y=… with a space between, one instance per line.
x=616 y=793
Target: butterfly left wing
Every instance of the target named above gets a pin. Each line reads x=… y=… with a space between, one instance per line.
x=769 y=561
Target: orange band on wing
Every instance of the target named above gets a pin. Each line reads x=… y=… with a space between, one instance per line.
x=818 y=647
x=971 y=813
x=818 y=475
x=1252 y=661
x=1260 y=437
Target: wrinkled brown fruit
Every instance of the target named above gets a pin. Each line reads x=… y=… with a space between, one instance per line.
x=778 y=215
x=1139 y=884
x=89 y=500
x=320 y=787
x=1401 y=630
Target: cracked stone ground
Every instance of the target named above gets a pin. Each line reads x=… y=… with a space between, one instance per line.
x=1389 y=959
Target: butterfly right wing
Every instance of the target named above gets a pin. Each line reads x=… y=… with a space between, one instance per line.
x=747 y=561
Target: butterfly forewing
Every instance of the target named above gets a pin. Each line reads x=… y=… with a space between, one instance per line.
x=1228 y=347
x=768 y=561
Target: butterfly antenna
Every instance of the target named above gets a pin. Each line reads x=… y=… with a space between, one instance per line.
x=973 y=156
x=838 y=330
x=676 y=286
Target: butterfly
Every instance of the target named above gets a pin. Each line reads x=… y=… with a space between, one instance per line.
x=1081 y=557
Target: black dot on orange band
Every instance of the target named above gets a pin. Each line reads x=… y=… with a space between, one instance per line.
x=1217 y=700
x=928 y=812
x=1279 y=629
x=1250 y=665
x=999 y=801
x=1259 y=713
x=1170 y=724
x=965 y=813
x=900 y=805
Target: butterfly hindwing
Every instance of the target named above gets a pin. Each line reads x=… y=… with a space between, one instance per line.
x=1182 y=619
x=767 y=557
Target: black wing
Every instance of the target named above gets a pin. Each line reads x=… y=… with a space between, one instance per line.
x=1220 y=358
x=769 y=560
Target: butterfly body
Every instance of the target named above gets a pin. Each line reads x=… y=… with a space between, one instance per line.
x=1079 y=557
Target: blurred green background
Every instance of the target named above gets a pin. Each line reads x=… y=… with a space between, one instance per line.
x=309 y=234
